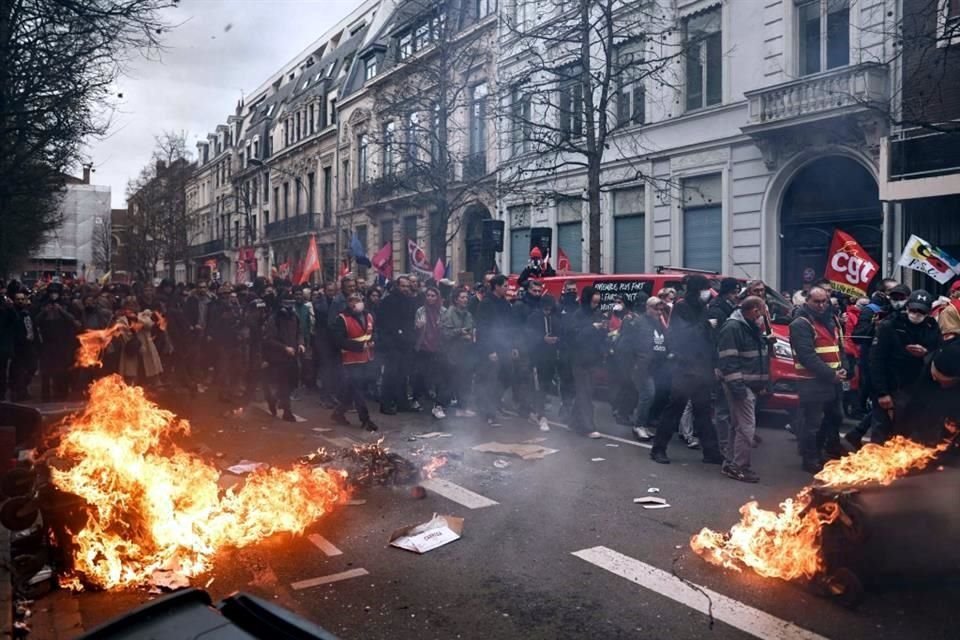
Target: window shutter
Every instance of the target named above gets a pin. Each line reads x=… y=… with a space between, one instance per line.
x=519 y=249
x=629 y=246
x=702 y=238
x=570 y=239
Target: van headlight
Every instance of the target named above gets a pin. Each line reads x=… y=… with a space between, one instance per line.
x=782 y=349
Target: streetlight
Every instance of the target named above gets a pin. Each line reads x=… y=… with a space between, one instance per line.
x=296 y=179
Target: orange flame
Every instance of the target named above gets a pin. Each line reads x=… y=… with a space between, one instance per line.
x=154 y=506
x=430 y=469
x=787 y=544
x=160 y=320
x=92 y=344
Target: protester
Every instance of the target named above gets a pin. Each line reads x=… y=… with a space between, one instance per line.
x=536 y=268
x=397 y=335
x=494 y=346
x=743 y=360
x=353 y=332
x=281 y=343
x=430 y=361
x=643 y=345
x=816 y=352
x=586 y=331
x=57 y=330
x=542 y=330
x=691 y=342
x=26 y=343
x=459 y=338
x=931 y=402
x=949 y=317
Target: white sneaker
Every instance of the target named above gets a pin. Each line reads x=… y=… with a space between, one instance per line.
x=594 y=435
x=533 y=418
x=544 y=425
x=642 y=433
x=693 y=443
x=438 y=413
x=465 y=413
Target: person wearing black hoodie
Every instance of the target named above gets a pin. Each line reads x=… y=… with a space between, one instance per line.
x=586 y=333
x=495 y=346
x=693 y=355
x=397 y=337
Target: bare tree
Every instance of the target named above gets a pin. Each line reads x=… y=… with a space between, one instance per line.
x=576 y=96
x=58 y=62
x=432 y=117
x=103 y=246
x=157 y=212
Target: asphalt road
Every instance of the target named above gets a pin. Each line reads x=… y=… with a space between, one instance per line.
x=514 y=572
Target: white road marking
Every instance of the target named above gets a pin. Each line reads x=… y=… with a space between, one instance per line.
x=324 y=545
x=625 y=441
x=458 y=494
x=736 y=614
x=336 y=577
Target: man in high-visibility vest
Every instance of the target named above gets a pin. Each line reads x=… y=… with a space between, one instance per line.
x=817 y=341
x=353 y=334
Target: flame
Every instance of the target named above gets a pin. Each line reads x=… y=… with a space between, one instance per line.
x=160 y=320
x=787 y=544
x=92 y=344
x=430 y=469
x=154 y=506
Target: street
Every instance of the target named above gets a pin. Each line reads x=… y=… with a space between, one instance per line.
x=563 y=552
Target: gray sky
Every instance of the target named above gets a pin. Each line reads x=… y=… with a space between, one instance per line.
x=205 y=70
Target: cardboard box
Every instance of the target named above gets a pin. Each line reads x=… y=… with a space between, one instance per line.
x=420 y=538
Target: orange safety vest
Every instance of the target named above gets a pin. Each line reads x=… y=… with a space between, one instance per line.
x=827 y=346
x=355 y=331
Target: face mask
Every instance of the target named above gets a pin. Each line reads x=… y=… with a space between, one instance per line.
x=898 y=304
x=358 y=307
x=705 y=295
x=916 y=317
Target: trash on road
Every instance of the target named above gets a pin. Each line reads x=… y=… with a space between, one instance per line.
x=500 y=463
x=524 y=451
x=651 y=502
x=171 y=580
x=534 y=440
x=321 y=429
x=597 y=459
x=432 y=434
x=611 y=445
x=246 y=466
x=356 y=503
x=653 y=490
x=430 y=469
x=436 y=532
x=418 y=492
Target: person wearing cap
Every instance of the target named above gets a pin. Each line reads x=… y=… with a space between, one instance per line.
x=538 y=268
x=949 y=318
x=723 y=305
x=932 y=401
x=897 y=358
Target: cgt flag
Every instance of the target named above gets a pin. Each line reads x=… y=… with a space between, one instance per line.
x=418 y=258
x=382 y=261
x=311 y=262
x=922 y=256
x=849 y=268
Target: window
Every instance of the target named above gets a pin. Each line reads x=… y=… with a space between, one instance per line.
x=519 y=237
x=370 y=68
x=286 y=200
x=298 y=126
x=948 y=23
x=824 y=34
x=256 y=148
x=478 y=119
x=266 y=188
x=405 y=46
x=630 y=91
x=629 y=237
x=570 y=241
x=703 y=42
x=703 y=223
x=522 y=13
x=297 y=186
x=332 y=111
x=363 y=151
x=389 y=139
x=254 y=190
x=484 y=8
x=311 y=191
x=521 y=108
x=571 y=105
x=422 y=36
x=346 y=180
x=413 y=138
x=327 y=195
x=276 y=198
x=312 y=118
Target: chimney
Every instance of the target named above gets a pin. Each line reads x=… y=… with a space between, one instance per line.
x=86 y=174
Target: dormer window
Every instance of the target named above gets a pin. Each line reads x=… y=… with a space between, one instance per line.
x=370 y=68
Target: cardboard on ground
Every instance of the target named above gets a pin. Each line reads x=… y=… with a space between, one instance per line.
x=420 y=538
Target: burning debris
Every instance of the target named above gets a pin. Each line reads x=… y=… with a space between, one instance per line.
x=789 y=544
x=365 y=465
x=151 y=506
x=93 y=343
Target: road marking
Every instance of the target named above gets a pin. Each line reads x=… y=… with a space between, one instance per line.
x=458 y=494
x=336 y=577
x=625 y=441
x=324 y=545
x=736 y=614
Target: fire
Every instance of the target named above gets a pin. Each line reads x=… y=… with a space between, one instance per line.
x=92 y=344
x=154 y=506
x=430 y=469
x=787 y=544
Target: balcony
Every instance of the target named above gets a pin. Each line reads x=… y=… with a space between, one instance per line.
x=206 y=249
x=291 y=226
x=837 y=92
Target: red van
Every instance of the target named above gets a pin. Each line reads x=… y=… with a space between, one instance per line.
x=628 y=286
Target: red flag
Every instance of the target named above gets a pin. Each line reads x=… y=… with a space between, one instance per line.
x=311 y=261
x=382 y=261
x=284 y=270
x=563 y=263
x=344 y=268
x=849 y=268
x=439 y=271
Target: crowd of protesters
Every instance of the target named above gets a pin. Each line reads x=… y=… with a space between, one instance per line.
x=693 y=362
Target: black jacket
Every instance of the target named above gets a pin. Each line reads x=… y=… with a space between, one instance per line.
x=282 y=331
x=396 y=323
x=537 y=327
x=642 y=345
x=496 y=332
x=927 y=406
x=587 y=344
x=690 y=337
x=802 y=336
x=720 y=308
x=892 y=367
x=743 y=356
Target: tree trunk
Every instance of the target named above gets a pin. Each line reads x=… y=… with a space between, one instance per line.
x=593 y=217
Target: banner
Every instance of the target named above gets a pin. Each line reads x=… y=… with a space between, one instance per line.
x=439 y=271
x=418 y=258
x=382 y=261
x=311 y=261
x=849 y=268
x=922 y=256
